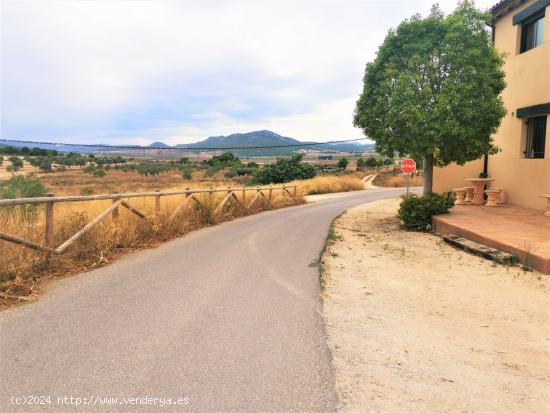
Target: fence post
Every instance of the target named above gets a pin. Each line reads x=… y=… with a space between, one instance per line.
x=49 y=222
x=244 y=194
x=115 y=211
x=270 y=192
x=210 y=195
x=157 y=202
x=295 y=187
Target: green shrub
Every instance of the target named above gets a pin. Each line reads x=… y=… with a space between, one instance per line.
x=187 y=173
x=224 y=160
x=284 y=170
x=343 y=163
x=21 y=186
x=99 y=172
x=16 y=164
x=415 y=212
x=89 y=169
x=45 y=164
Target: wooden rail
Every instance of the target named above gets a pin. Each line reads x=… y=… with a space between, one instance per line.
x=119 y=200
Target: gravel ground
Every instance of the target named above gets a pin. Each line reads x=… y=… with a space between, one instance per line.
x=416 y=325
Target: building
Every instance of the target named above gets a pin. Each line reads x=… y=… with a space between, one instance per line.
x=522 y=167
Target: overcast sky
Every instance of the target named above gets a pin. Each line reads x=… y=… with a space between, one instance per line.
x=135 y=71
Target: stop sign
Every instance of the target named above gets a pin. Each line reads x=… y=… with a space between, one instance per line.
x=408 y=166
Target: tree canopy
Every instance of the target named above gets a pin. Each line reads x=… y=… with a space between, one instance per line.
x=343 y=163
x=433 y=91
x=284 y=170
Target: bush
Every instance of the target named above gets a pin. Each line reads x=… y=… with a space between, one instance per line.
x=343 y=163
x=187 y=173
x=45 y=164
x=284 y=170
x=415 y=212
x=224 y=160
x=20 y=186
x=16 y=164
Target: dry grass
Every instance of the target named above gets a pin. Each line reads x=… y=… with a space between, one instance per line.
x=22 y=271
x=75 y=181
x=386 y=179
x=328 y=184
x=21 y=268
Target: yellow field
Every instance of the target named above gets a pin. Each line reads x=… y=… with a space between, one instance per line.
x=330 y=183
x=386 y=179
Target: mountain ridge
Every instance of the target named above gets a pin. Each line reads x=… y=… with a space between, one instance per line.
x=255 y=143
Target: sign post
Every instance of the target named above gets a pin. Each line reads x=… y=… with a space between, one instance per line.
x=408 y=166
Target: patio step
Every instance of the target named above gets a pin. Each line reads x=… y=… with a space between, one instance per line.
x=481 y=250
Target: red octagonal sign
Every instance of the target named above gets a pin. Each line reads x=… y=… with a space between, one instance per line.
x=408 y=166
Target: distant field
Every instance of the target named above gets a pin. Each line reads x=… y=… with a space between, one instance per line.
x=75 y=181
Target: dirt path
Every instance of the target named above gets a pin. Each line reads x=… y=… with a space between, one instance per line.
x=416 y=325
x=367 y=180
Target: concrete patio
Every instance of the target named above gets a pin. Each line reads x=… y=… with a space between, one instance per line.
x=522 y=232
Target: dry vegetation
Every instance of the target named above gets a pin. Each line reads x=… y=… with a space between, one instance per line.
x=387 y=179
x=330 y=183
x=22 y=271
x=21 y=268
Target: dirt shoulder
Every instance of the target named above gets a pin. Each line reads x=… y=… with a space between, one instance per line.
x=416 y=325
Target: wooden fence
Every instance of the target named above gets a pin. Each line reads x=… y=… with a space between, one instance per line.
x=121 y=200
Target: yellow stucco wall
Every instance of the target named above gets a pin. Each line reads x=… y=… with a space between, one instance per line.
x=528 y=83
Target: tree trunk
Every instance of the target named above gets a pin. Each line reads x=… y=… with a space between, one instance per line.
x=428 y=173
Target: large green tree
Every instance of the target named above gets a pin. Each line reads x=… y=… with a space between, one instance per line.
x=433 y=91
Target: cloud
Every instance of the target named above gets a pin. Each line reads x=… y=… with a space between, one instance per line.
x=127 y=71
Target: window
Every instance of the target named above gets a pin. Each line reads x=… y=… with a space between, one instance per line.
x=536 y=136
x=532 y=33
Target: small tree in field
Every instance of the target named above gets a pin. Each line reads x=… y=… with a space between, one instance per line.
x=433 y=90
x=343 y=163
x=284 y=170
x=16 y=164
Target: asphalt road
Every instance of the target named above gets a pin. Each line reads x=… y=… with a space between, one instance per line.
x=229 y=317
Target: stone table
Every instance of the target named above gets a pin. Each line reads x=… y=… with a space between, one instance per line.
x=479 y=186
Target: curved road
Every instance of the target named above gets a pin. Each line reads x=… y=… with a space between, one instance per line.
x=229 y=317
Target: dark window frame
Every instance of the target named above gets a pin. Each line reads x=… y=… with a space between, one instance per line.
x=536 y=137
x=529 y=31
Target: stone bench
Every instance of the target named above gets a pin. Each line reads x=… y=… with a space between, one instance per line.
x=460 y=194
x=464 y=195
x=500 y=195
x=493 y=197
x=547 y=196
x=469 y=194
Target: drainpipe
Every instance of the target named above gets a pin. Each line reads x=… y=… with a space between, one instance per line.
x=486 y=157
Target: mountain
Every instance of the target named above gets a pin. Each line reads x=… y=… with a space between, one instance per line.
x=57 y=147
x=158 y=145
x=255 y=139
x=265 y=138
x=249 y=142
